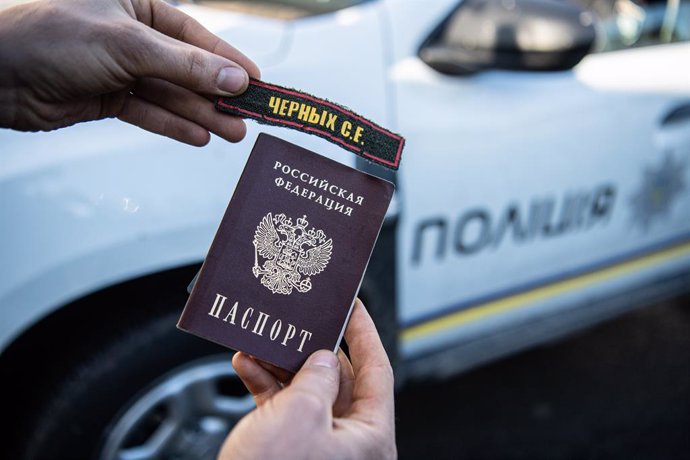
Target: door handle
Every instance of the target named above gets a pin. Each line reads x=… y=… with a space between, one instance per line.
x=679 y=113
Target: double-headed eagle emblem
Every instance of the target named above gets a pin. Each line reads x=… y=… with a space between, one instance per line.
x=290 y=251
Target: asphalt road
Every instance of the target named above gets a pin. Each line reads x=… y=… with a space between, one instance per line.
x=619 y=390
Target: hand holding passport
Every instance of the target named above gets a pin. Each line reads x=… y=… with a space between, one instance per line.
x=340 y=407
x=279 y=285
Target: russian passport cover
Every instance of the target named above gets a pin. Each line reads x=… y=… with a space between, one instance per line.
x=289 y=256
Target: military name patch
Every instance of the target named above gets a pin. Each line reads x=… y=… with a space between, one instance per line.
x=275 y=105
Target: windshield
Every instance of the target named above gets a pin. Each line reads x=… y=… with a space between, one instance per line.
x=282 y=9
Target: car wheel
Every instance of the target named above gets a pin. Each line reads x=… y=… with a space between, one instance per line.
x=152 y=392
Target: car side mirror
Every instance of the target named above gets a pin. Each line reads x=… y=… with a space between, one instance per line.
x=533 y=35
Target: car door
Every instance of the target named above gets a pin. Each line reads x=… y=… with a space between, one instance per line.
x=530 y=194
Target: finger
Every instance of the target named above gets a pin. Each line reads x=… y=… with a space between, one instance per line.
x=363 y=340
x=314 y=388
x=373 y=390
x=283 y=376
x=156 y=119
x=176 y=24
x=149 y=53
x=260 y=383
x=343 y=402
x=191 y=106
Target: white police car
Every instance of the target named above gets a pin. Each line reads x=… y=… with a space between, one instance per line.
x=545 y=186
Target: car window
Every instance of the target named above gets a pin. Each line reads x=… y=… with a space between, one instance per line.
x=281 y=9
x=635 y=23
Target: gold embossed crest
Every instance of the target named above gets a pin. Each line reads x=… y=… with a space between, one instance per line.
x=290 y=251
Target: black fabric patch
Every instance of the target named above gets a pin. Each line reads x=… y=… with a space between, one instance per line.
x=275 y=105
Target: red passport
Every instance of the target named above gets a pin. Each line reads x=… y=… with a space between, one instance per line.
x=285 y=266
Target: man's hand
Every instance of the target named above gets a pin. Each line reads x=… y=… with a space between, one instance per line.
x=331 y=409
x=142 y=61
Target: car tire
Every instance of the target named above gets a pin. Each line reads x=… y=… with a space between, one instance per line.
x=83 y=408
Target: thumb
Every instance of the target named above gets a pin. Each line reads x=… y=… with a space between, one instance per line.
x=317 y=382
x=190 y=67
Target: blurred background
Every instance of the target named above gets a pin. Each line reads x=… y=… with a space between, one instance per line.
x=530 y=282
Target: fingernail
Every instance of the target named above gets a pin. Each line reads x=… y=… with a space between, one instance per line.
x=231 y=79
x=323 y=358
